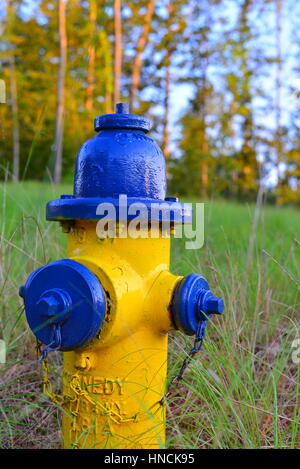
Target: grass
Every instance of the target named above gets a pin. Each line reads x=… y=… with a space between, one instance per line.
x=241 y=391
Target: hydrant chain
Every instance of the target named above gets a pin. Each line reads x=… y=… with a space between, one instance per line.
x=54 y=344
x=197 y=346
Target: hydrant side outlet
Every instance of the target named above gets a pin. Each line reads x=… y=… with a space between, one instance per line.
x=110 y=305
x=68 y=294
x=193 y=301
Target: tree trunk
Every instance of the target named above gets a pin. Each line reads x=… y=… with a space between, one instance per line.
x=247 y=124
x=91 y=65
x=141 y=44
x=168 y=60
x=60 y=92
x=107 y=71
x=205 y=149
x=166 y=121
x=248 y=163
x=10 y=16
x=15 y=121
x=205 y=98
x=118 y=50
x=279 y=149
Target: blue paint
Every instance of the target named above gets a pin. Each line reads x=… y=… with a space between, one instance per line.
x=86 y=209
x=121 y=159
x=193 y=302
x=120 y=162
x=122 y=108
x=122 y=120
x=68 y=294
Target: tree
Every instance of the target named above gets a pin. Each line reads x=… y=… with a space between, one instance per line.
x=198 y=148
x=118 y=50
x=60 y=92
x=15 y=119
x=169 y=25
x=13 y=93
x=141 y=45
x=167 y=64
x=91 y=64
x=241 y=63
x=278 y=104
x=288 y=188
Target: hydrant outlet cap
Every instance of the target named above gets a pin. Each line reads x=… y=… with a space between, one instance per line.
x=67 y=294
x=193 y=302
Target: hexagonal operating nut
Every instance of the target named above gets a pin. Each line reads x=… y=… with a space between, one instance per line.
x=47 y=305
x=214 y=305
x=54 y=304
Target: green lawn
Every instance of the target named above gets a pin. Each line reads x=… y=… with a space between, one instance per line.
x=242 y=391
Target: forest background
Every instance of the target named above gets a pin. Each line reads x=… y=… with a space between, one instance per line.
x=218 y=78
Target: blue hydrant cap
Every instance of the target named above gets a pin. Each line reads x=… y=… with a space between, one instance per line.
x=120 y=161
x=68 y=294
x=192 y=302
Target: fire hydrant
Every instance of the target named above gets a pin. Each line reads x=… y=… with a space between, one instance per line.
x=110 y=305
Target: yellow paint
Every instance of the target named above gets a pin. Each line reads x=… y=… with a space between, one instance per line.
x=113 y=387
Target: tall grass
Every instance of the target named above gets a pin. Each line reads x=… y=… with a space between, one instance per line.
x=241 y=391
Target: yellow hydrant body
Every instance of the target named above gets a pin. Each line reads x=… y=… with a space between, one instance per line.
x=121 y=375
x=110 y=304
